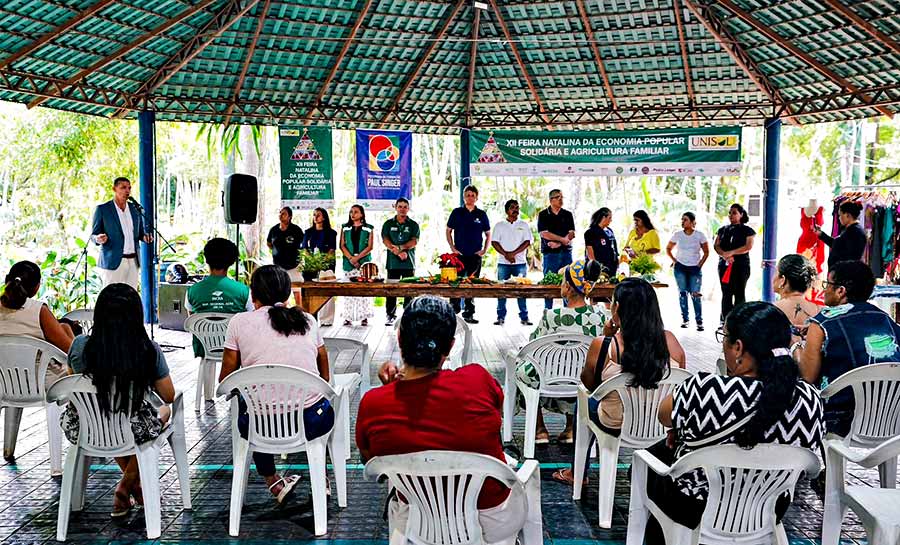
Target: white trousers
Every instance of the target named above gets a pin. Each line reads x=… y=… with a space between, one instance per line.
x=127 y=273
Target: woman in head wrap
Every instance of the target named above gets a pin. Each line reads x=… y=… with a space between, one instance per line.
x=576 y=317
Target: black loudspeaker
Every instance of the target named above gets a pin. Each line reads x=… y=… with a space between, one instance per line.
x=240 y=198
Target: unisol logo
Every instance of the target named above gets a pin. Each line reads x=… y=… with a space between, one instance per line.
x=712 y=142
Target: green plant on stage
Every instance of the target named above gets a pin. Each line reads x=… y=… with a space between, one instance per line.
x=643 y=264
x=316 y=261
x=63 y=281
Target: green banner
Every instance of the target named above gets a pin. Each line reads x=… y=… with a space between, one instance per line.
x=306 y=180
x=709 y=151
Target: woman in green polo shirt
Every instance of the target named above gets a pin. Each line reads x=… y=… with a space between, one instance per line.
x=356 y=247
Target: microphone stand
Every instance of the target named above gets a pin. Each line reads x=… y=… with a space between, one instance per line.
x=153 y=294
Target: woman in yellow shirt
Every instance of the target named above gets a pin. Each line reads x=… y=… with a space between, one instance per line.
x=643 y=239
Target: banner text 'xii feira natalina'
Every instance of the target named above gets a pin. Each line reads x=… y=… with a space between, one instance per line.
x=710 y=151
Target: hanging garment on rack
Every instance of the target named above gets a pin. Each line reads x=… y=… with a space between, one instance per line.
x=809 y=244
x=888 y=234
x=875 y=245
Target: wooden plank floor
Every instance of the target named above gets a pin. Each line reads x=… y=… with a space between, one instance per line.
x=28 y=504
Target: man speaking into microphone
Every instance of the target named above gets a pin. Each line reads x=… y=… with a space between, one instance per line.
x=118 y=226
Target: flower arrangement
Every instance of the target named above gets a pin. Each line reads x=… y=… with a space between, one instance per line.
x=644 y=265
x=450 y=260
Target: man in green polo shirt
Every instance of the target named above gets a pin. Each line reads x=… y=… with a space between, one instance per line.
x=217 y=292
x=400 y=235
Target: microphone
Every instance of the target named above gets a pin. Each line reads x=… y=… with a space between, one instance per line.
x=134 y=202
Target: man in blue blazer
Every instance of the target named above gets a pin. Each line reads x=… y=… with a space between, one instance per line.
x=119 y=261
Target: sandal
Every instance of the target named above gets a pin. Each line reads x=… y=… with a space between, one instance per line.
x=121 y=507
x=542 y=437
x=364 y=323
x=567 y=477
x=289 y=484
x=566 y=437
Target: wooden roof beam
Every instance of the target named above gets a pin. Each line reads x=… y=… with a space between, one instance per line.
x=867 y=26
x=731 y=46
x=169 y=23
x=55 y=33
x=435 y=41
x=521 y=63
x=218 y=24
x=473 y=55
x=340 y=58
x=250 y=52
x=589 y=31
x=794 y=50
x=682 y=45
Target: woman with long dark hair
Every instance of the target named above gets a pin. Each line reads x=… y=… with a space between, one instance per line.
x=275 y=334
x=762 y=400
x=643 y=238
x=22 y=314
x=320 y=236
x=733 y=244
x=600 y=242
x=123 y=364
x=634 y=341
x=356 y=245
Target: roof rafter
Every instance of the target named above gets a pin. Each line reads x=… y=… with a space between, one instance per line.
x=251 y=50
x=55 y=33
x=521 y=63
x=871 y=29
x=169 y=23
x=473 y=56
x=794 y=50
x=589 y=31
x=337 y=62
x=435 y=41
x=688 y=81
x=727 y=41
x=230 y=13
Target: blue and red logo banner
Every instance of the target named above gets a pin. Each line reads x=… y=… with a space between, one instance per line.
x=383 y=167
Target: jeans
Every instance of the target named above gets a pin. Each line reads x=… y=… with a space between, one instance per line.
x=505 y=272
x=472 y=264
x=318 y=419
x=553 y=263
x=390 y=303
x=689 y=280
x=733 y=291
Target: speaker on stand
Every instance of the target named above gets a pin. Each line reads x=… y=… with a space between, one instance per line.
x=240 y=200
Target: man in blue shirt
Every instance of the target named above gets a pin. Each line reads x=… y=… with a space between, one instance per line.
x=469 y=236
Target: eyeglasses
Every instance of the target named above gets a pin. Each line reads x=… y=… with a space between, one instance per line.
x=720 y=336
x=834 y=285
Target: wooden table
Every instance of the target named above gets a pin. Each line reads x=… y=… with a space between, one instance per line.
x=314 y=295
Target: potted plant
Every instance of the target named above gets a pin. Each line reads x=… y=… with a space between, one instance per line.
x=644 y=266
x=451 y=266
x=313 y=262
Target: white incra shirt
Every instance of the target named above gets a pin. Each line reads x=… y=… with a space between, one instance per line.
x=509 y=236
x=127 y=223
x=687 y=247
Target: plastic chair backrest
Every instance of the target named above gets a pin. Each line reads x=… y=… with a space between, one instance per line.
x=98 y=434
x=744 y=486
x=442 y=489
x=23 y=369
x=876 y=393
x=275 y=397
x=84 y=316
x=336 y=346
x=559 y=359
x=210 y=328
x=461 y=352
x=640 y=406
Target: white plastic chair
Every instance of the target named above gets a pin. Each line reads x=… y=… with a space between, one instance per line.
x=876 y=417
x=275 y=395
x=461 y=352
x=640 y=429
x=878 y=509
x=210 y=329
x=23 y=371
x=84 y=316
x=338 y=346
x=559 y=359
x=109 y=436
x=442 y=489
x=743 y=488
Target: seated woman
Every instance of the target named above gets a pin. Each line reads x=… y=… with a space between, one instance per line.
x=422 y=407
x=118 y=356
x=576 y=317
x=21 y=314
x=794 y=277
x=634 y=341
x=763 y=384
x=275 y=334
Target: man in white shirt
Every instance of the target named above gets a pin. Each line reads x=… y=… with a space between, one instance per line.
x=118 y=227
x=511 y=239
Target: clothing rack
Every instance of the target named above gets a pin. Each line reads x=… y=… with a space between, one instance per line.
x=870 y=186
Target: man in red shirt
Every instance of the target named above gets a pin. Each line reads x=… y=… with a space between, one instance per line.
x=422 y=407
